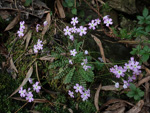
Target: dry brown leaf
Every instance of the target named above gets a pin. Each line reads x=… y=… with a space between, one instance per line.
x=116 y=106
x=12 y=66
x=60 y=9
x=28 y=75
x=70 y=110
x=110 y=88
x=47 y=58
x=96 y=98
x=13 y=23
x=119 y=110
x=33 y=111
x=146 y=79
x=100 y=46
x=115 y=101
x=28 y=35
x=48 y=19
x=137 y=108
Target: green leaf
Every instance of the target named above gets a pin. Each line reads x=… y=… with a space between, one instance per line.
x=69 y=76
x=74 y=11
x=145 y=12
x=130 y=94
x=145 y=57
x=65 y=4
x=141 y=22
x=147 y=29
x=141 y=94
x=148 y=17
x=146 y=48
x=140 y=17
x=28 y=2
x=132 y=87
x=70 y=4
x=136 y=97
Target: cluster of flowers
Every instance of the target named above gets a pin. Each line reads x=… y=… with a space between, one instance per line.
x=45 y=23
x=28 y=93
x=107 y=20
x=21 y=29
x=130 y=68
x=38 y=46
x=85 y=67
x=85 y=94
x=83 y=30
x=85 y=61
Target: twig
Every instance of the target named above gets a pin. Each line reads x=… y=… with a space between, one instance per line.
x=21 y=107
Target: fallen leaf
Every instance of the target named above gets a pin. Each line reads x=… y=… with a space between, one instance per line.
x=45 y=29
x=96 y=98
x=47 y=58
x=13 y=23
x=137 y=108
x=60 y=9
x=28 y=35
x=28 y=75
x=70 y=110
x=116 y=106
x=12 y=66
x=110 y=88
x=100 y=46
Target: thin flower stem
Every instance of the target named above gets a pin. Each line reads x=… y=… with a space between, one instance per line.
x=21 y=107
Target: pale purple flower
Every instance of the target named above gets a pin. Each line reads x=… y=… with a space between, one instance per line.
x=35 y=49
x=20 y=33
x=37 y=27
x=119 y=72
x=97 y=21
x=39 y=46
x=92 y=25
x=130 y=79
x=136 y=66
x=116 y=85
x=74 y=21
x=71 y=37
x=73 y=52
x=126 y=84
x=36 y=87
x=39 y=41
x=71 y=94
x=99 y=58
x=108 y=22
x=29 y=97
x=22 y=92
x=29 y=89
x=70 y=62
x=134 y=77
x=85 y=52
x=45 y=23
x=85 y=95
x=22 y=25
x=67 y=30
x=74 y=29
x=106 y=17
x=85 y=67
x=78 y=88
x=85 y=61
x=30 y=80
x=82 y=30
x=128 y=67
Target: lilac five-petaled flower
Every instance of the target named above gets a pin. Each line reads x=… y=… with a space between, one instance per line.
x=74 y=21
x=78 y=88
x=36 y=87
x=70 y=62
x=82 y=30
x=22 y=92
x=97 y=21
x=30 y=80
x=117 y=85
x=20 y=33
x=67 y=30
x=73 y=52
x=22 y=25
x=71 y=94
x=92 y=25
x=108 y=22
x=29 y=97
x=85 y=95
x=86 y=52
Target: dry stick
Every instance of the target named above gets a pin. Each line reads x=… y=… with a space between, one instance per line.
x=21 y=107
x=97 y=5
